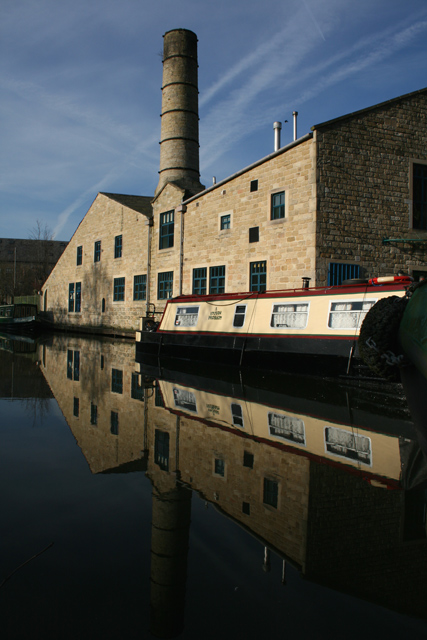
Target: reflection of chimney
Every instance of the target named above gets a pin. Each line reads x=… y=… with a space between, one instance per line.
x=170 y=531
x=179 y=143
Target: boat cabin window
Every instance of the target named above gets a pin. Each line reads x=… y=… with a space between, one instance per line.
x=237 y=415
x=348 y=315
x=185 y=399
x=294 y=316
x=289 y=428
x=239 y=315
x=349 y=445
x=186 y=316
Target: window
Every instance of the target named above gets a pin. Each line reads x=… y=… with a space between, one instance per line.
x=271 y=492
x=419 y=197
x=118 y=243
x=114 y=423
x=237 y=415
x=289 y=316
x=348 y=315
x=254 y=234
x=165 y=285
x=73 y=365
x=161 y=449
x=239 y=315
x=278 y=205
x=116 y=381
x=254 y=185
x=97 y=251
x=140 y=287
x=219 y=467
x=217 y=279
x=137 y=389
x=225 y=222
x=246 y=508
x=288 y=428
x=158 y=398
x=78 y=297
x=76 y=407
x=338 y=272
x=74 y=297
x=199 y=281
x=258 y=276
x=103 y=305
x=71 y=297
x=248 y=459
x=79 y=255
x=166 y=230
x=93 y=414
x=186 y=316
x=347 y=444
x=119 y=290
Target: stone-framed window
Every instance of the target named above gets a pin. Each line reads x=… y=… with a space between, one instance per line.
x=97 y=251
x=217 y=279
x=225 y=221
x=140 y=287
x=118 y=246
x=419 y=196
x=165 y=285
x=200 y=281
x=271 y=493
x=119 y=290
x=254 y=185
x=277 y=206
x=79 y=258
x=166 y=230
x=258 y=275
x=114 y=423
x=74 y=297
x=116 y=380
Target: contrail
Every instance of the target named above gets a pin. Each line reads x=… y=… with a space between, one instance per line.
x=314 y=19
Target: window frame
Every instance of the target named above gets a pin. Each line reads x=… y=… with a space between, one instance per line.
x=278 y=211
x=97 y=251
x=140 y=288
x=200 y=281
x=118 y=246
x=119 y=288
x=255 y=277
x=166 y=229
x=225 y=222
x=216 y=286
x=163 y=282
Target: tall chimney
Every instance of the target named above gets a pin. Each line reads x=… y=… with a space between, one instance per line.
x=179 y=140
x=277 y=126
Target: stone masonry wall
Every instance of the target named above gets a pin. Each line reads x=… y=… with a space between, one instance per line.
x=105 y=219
x=365 y=187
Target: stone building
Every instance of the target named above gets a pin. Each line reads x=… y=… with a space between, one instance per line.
x=346 y=200
x=25 y=265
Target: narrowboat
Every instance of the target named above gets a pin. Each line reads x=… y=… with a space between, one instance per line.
x=308 y=328
x=18 y=317
x=413 y=328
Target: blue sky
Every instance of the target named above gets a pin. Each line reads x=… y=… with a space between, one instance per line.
x=80 y=88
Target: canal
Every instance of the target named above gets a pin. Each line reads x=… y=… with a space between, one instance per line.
x=143 y=501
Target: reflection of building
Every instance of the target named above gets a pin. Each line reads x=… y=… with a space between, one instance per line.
x=343 y=201
x=314 y=496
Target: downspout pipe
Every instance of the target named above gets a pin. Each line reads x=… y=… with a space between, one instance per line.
x=150 y=223
x=181 y=209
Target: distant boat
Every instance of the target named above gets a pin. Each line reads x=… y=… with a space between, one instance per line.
x=18 y=317
x=285 y=330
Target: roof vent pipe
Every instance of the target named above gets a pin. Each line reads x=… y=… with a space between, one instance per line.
x=213 y=179
x=295 y=113
x=277 y=127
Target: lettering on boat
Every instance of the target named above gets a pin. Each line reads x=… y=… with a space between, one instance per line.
x=215 y=315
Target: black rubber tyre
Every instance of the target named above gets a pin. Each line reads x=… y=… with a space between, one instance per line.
x=378 y=340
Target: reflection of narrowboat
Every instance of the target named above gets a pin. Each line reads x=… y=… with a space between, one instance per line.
x=347 y=436
x=278 y=329
x=18 y=317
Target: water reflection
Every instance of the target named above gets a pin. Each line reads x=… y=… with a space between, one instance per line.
x=328 y=478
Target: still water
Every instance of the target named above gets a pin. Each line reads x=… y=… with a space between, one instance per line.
x=142 y=503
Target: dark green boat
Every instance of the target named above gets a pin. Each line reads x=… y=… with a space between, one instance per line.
x=413 y=328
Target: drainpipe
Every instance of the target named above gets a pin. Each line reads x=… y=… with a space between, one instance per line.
x=149 y=223
x=181 y=209
x=295 y=113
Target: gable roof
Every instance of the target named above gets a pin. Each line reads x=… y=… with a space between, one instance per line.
x=367 y=109
x=141 y=204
